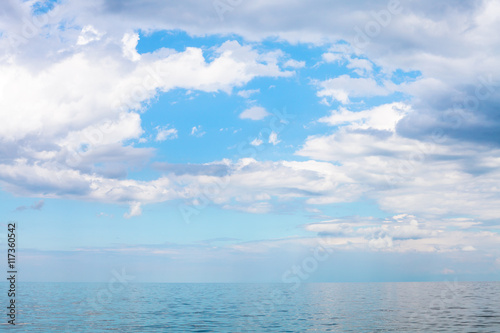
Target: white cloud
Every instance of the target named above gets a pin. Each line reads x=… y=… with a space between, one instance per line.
x=294 y=64
x=165 y=133
x=129 y=46
x=344 y=54
x=273 y=138
x=408 y=174
x=360 y=66
x=135 y=210
x=332 y=57
x=254 y=113
x=49 y=127
x=383 y=117
x=256 y=142
x=420 y=36
x=248 y=93
x=343 y=87
x=88 y=34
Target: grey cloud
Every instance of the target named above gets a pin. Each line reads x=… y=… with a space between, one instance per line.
x=218 y=170
x=466 y=113
x=113 y=160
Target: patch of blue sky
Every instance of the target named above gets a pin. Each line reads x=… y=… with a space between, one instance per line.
x=399 y=76
x=208 y=112
x=52 y=227
x=98 y=225
x=294 y=98
x=218 y=115
x=362 y=207
x=213 y=222
x=321 y=71
x=151 y=41
x=42 y=7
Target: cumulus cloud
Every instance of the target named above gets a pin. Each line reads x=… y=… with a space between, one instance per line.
x=124 y=87
x=407 y=174
x=450 y=43
x=90 y=93
x=78 y=114
x=89 y=34
x=130 y=41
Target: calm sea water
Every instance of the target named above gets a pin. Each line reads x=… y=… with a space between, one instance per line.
x=315 y=307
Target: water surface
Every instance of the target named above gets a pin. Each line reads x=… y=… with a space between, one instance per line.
x=314 y=307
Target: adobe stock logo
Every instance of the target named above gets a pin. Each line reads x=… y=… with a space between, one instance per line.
x=373 y=28
x=223 y=6
x=32 y=26
x=104 y=296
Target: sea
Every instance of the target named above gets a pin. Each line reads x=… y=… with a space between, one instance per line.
x=220 y=307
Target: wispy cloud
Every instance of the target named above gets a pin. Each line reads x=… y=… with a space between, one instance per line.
x=196 y=131
x=165 y=133
x=35 y=206
x=248 y=93
x=254 y=113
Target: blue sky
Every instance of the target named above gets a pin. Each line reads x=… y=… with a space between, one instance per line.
x=200 y=143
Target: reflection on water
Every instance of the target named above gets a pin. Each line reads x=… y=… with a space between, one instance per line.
x=329 y=307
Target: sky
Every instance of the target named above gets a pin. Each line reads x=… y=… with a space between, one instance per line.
x=251 y=141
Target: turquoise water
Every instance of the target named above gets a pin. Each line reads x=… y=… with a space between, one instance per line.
x=315 y=307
